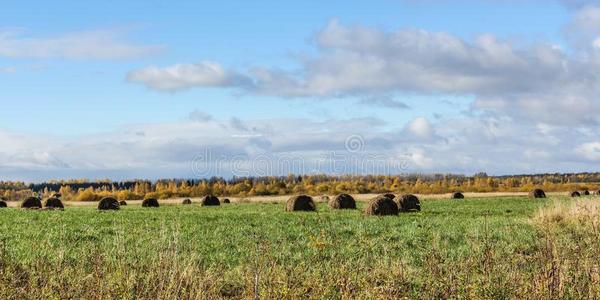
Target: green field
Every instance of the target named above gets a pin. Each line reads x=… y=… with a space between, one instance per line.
x=475 y=248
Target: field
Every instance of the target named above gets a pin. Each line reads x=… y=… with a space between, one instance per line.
x=484 y=247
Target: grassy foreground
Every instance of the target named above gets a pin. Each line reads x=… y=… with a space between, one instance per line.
x=505 y=247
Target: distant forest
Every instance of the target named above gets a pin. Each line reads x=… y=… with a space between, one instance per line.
x=85 y=190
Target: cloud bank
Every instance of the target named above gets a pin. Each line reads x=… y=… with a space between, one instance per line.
x=83 y=45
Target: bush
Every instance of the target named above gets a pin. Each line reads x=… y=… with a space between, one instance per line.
x=87 y=195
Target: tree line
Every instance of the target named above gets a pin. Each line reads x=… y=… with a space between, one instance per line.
x=86 y=190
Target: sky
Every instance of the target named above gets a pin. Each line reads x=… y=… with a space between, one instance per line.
x=193 y=89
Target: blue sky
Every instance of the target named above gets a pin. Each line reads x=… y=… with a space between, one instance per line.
x=439 y=81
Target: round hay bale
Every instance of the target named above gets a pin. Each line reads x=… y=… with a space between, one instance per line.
x=210 y=200
x=389 y=195
x=150 y=202
x=458 y=195
x=409 y=202
x=32 y=202
x=597 y=193
x=381 y=206
x=123 y=203
x=53 y=203
x=300 y=203
x=186 y=201
x=226 y=200
x=3 y=204
x=109 y=203
x=537 y=193
x=585 y=193
x=575 y=194
x=342 y=201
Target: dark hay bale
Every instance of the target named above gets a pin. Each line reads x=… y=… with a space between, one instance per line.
x=210 y=200
x=150 y=202
x=575 y=194
x=109 y=203
x=537 y=193
x=300 y=203
x=342 y=201
x=186 y=201
x=53 y=203
x=32 y=202
x=409 y=202
x=586 y=193
x=3 y=204
x=226 y=200
x=458 y=195
x=381 y=206
x=597 y=193
x=389 y=195
x=123 y=203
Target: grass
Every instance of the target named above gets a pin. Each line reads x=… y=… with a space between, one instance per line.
x=503 y=247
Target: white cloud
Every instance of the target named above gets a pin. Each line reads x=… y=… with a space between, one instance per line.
x=384 y=101
x=537 y=83
x=590 y=151
x=421 y=128
x=185 y=76
x=8 y=69
x=462 y=145
x=83 y=45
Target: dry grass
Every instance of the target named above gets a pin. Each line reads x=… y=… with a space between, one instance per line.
x=584 y=211
x=570 y=255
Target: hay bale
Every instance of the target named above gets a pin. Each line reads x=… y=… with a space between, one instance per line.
x=150 y=202
x=123 y=203
x=226 y=200
x=210 y=200
x=458 y=195
x=32 y=203
x=597 y=193
x=108 y=203
x=389 y=195
x=53 y=203
x=381 y=206
x=3 y=204
x=575 y=194
x=409 y=202
x=187 y=201
x=300 y=203
x=586 y=193
x=537 y=193
x=342 y=201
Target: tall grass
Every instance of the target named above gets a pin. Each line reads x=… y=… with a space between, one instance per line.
x=477 y=248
